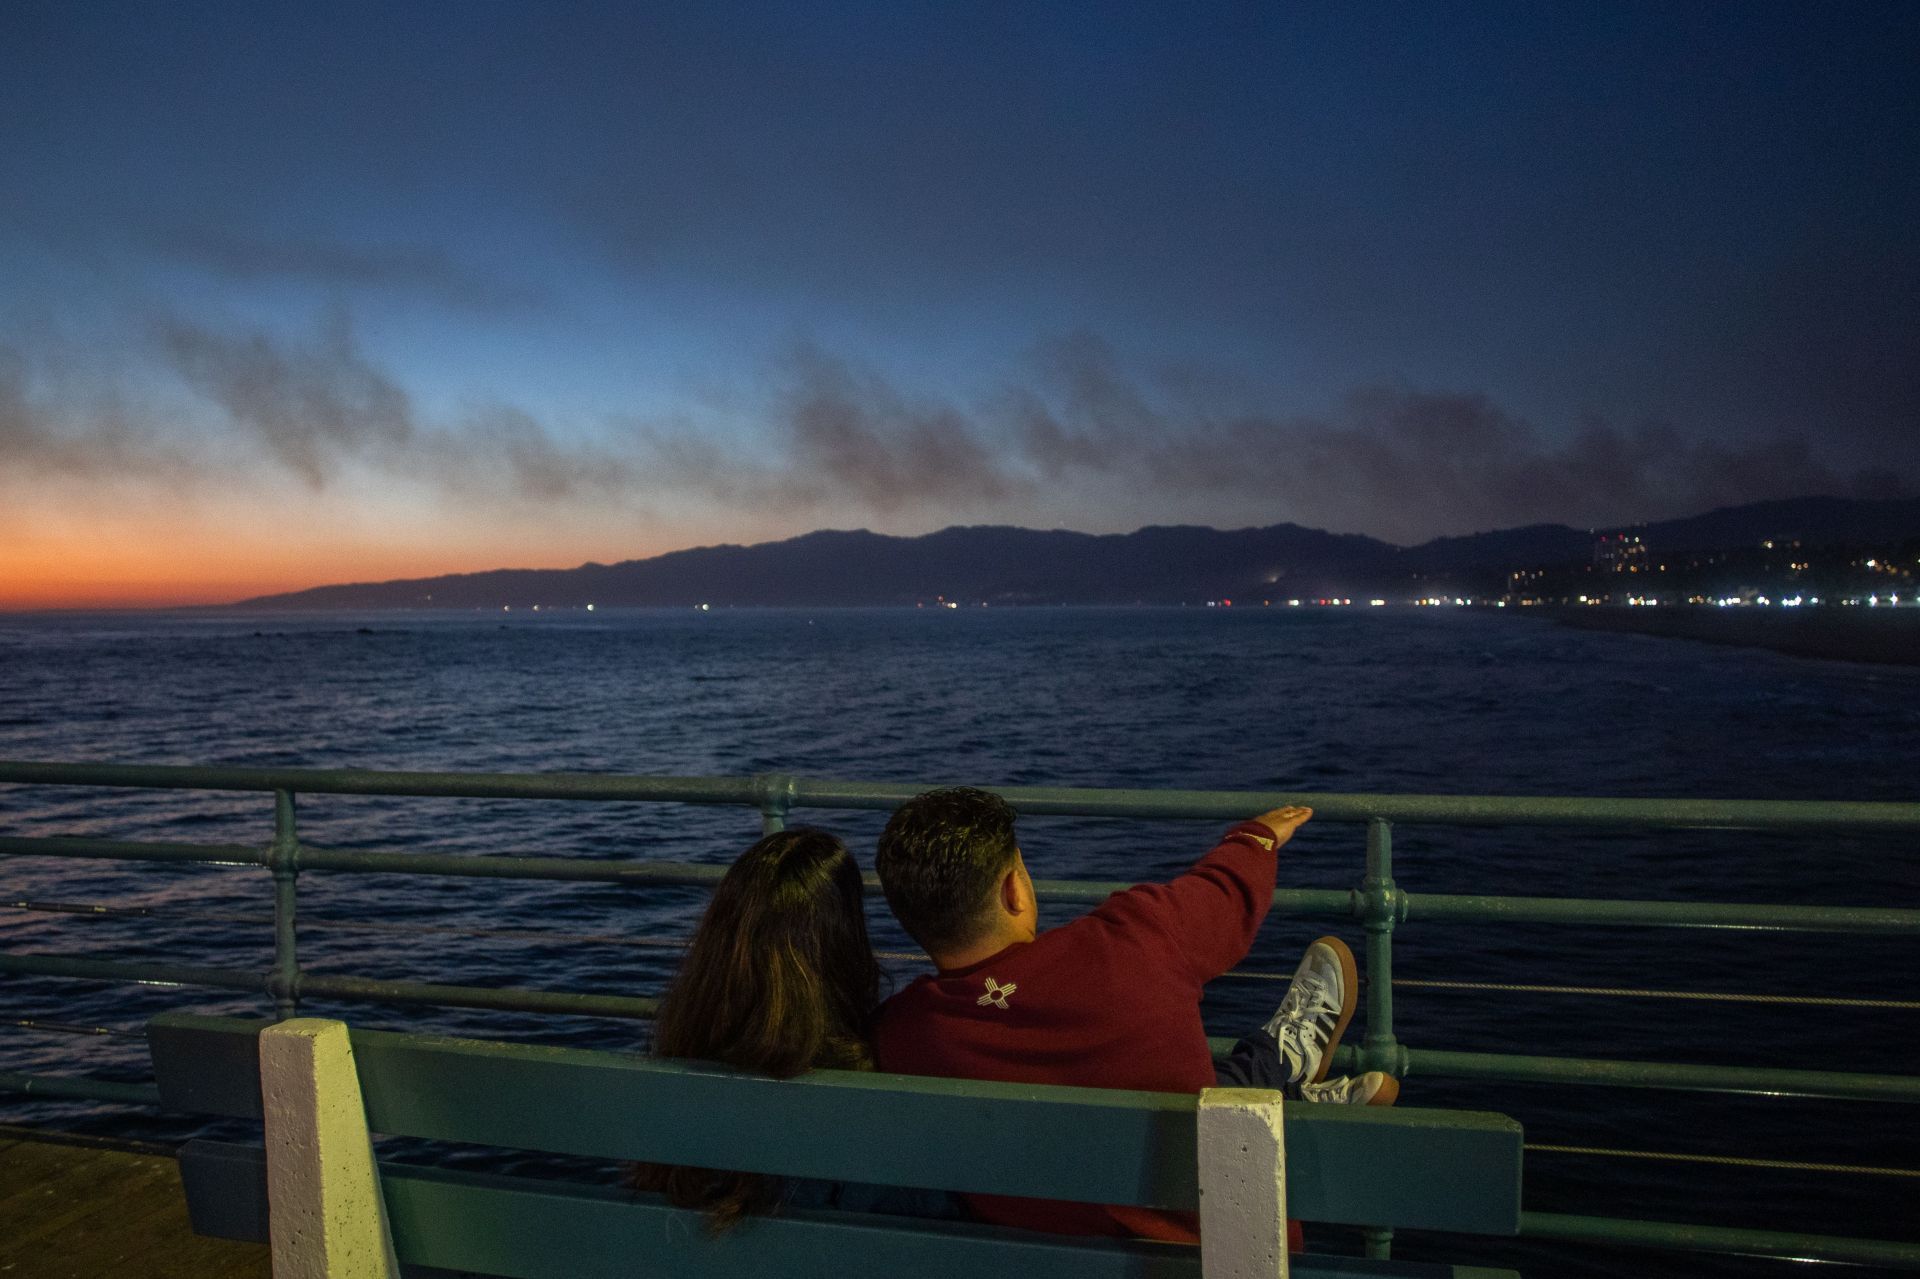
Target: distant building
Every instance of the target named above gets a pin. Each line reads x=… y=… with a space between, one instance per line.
x=1620 y=553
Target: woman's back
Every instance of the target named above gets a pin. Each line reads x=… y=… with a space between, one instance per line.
x=779 y=979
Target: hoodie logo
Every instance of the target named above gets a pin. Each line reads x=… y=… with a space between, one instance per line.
x=996 y=994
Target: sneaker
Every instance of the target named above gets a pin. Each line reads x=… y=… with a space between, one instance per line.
x=1375 y=1088
x=1316 y=1010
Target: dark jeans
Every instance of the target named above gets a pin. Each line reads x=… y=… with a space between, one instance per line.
x=1255 y=1063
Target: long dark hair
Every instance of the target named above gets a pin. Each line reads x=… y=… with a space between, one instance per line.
x=779 y=978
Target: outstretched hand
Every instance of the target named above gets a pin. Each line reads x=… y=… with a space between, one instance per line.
x=1284 y=821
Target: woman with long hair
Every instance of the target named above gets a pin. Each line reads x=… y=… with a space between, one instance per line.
x=779 y=979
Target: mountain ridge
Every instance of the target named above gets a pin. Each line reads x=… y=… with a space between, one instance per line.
x=1006 y=564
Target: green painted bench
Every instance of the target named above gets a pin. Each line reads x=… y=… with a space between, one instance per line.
x=1404 y=1167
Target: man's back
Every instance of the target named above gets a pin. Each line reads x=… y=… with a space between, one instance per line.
x=1111 y=1000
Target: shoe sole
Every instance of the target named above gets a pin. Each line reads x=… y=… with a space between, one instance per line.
x=1388 y=1094
x=1350 y=983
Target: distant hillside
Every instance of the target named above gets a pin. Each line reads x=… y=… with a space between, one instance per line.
x=1156 y=565
x=995 y=564
x=1814 y=521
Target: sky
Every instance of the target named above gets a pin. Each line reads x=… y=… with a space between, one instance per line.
x=299 y=294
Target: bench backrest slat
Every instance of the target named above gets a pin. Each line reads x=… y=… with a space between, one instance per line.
x=487 y=1223
x=493 y=1224
x=1442 y=1170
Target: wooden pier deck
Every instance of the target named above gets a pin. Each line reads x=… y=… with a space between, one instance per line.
x=79 y=1208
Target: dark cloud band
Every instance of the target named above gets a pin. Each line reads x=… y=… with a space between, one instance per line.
x=839 y=444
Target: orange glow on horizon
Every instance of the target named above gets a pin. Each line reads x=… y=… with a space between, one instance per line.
x=143 y=563
x=177 y=576
x=136 y=582
x=184 y=576
x=140 y=544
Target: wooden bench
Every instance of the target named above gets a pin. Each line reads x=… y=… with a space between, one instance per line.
x=1403 y=1167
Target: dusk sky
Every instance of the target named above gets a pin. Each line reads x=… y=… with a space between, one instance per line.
x=296 y=294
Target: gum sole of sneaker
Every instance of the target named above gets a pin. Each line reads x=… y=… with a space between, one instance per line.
x=1388 y=1094
x=1350 y=979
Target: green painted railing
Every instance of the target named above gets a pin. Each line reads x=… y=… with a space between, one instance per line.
x=1377 y=904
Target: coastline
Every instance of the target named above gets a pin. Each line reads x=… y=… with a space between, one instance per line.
x=1889 y=636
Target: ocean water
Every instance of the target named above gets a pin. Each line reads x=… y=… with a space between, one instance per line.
x=1358 y=700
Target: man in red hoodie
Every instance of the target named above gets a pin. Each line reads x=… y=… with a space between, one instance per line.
x=1111 y=1000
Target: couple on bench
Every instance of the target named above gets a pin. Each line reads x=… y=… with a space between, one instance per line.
x=779 y=979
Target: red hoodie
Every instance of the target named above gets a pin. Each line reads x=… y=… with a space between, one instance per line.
x=1111 y=1000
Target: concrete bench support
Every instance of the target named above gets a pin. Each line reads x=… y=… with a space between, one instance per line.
x=326 y=1219
x=1243 y=1185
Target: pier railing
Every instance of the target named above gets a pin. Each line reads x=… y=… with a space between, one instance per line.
x=1376 y=903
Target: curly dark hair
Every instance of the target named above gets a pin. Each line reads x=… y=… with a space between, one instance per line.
x=940 y=859
x=779 y=979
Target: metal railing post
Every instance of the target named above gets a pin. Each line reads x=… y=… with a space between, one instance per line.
x=1380 y=906
x=776 y=798
x=283 y=859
